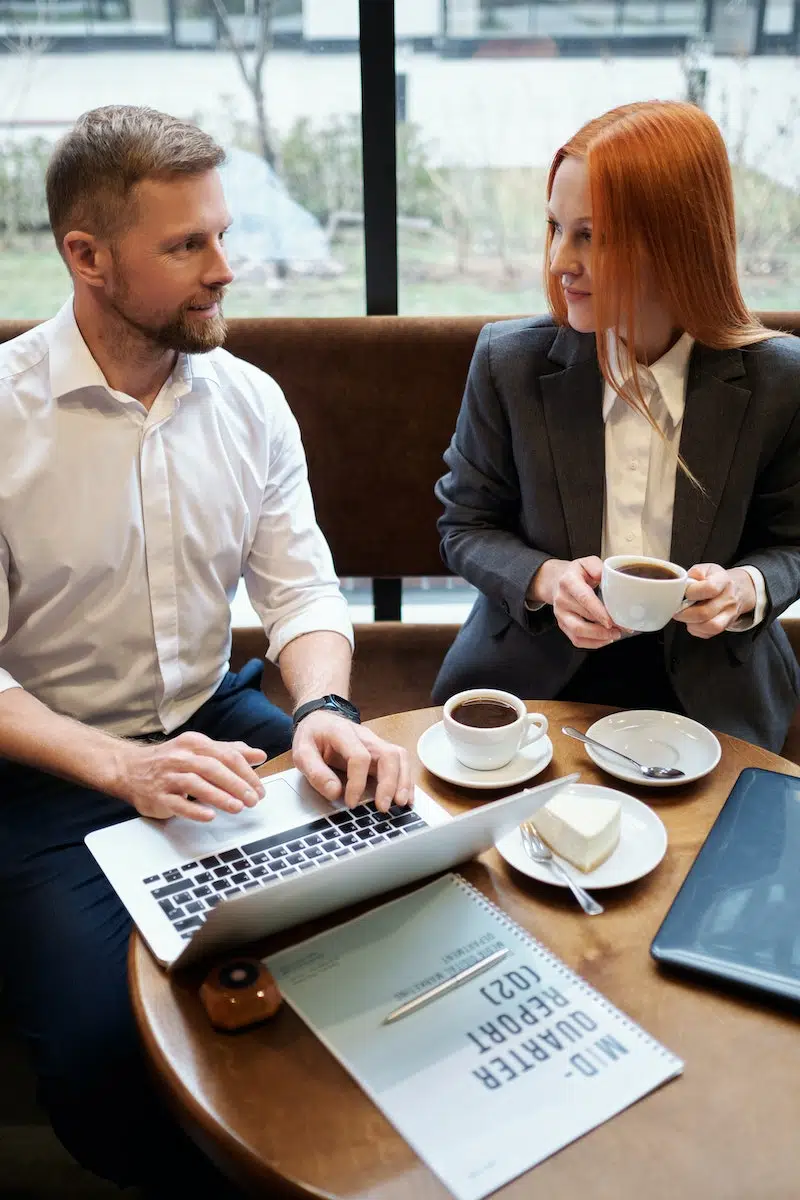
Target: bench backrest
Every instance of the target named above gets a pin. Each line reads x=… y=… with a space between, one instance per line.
x=376 y=399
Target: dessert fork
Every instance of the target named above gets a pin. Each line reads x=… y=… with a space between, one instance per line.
x=536 y=849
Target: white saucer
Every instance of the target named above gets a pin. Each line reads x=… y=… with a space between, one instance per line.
x=435 y=752
x=658 y=739
x=642 y=845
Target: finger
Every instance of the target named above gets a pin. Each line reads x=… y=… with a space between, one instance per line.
x=586 y=644
x=311 y=764
x=587 y=631
x=705 y=589
x=404 y=789
x=711 y=628
x=698 y=614
x=359 y=761
x=387 y=772
x=582 y=600
x=226 y=766
x=405 y=786
x=181 y=806
x=243 y=759
x=253 y=755
x=234 y=756
x=190 y=783
x=593 y=567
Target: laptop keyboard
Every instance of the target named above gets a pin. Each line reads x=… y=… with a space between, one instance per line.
x=186 y=894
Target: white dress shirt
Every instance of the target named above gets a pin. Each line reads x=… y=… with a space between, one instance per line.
x=124 y=533
x=641 y=468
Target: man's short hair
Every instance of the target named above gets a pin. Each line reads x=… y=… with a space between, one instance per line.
x=94 y=168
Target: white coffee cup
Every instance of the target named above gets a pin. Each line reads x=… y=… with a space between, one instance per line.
x=636 y=602
x=485 y=748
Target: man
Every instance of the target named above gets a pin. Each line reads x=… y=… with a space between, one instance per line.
x=144 y=470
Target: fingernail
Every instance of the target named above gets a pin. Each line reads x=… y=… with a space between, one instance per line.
x=235 y=806
x=402 y=796
x=251 y=796
x=331 y=788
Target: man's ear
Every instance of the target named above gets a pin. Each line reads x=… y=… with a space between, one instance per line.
x=87 y=257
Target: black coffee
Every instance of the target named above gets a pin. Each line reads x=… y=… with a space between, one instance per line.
x=643 y=570
x=484 y=714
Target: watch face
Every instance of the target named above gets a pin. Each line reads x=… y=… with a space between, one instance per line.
x=349 y=710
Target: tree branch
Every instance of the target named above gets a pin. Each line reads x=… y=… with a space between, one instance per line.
x=233 y=44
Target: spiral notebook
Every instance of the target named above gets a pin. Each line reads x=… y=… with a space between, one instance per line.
x=492 y=1077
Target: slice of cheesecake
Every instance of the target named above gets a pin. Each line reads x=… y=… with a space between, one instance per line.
x=581 y=828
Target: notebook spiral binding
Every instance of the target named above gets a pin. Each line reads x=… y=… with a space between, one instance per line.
x=561 y=968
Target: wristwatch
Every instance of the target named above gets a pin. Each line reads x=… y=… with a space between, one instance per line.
x=332 y=703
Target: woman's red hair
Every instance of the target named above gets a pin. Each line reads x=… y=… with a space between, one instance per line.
x=662 y=200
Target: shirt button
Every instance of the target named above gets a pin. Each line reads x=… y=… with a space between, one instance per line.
x=628 y=537
x=633 y=464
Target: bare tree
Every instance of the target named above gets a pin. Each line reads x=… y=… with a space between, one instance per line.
x=251 y=59
x=26 y=41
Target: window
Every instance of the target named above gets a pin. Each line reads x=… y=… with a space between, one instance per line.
x=293 y=179
x=485 y=91
x=498 y=85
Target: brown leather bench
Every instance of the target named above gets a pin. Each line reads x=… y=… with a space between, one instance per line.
x=376 y=399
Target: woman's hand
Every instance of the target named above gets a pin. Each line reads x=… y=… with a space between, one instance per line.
x=569 y=588
x=717 y=598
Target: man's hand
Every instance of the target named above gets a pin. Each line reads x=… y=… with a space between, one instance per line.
x=323 y=741
x=158 y=780
x=569 y=588
x=717 y=598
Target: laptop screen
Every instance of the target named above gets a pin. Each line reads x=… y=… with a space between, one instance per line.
x=737 y=915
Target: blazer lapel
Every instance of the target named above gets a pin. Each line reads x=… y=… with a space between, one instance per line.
x=573 y=411
x=717 y=397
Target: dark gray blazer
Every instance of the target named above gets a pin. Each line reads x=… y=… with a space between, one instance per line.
x=525 y=482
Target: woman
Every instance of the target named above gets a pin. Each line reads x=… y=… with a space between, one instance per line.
x=651 y=414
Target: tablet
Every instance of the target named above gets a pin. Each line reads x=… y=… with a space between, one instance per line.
x=737 y=915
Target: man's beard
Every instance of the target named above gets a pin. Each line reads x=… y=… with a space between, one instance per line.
x=189 y=336
x=181 y=333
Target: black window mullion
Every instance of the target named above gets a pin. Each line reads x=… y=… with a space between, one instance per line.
x=379 y=147
x=379 y=150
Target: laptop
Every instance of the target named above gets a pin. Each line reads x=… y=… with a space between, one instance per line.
x=193 y=889
x=736 y=919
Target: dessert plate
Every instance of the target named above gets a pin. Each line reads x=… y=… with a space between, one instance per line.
x=641 y=847
x=658 y=739
x=437 y=755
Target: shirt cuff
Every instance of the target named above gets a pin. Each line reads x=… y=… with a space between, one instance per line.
x=326 y=615
x=7 y=681
x=744 y=624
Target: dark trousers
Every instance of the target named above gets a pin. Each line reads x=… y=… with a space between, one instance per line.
x=630 y=673
x=63 y=946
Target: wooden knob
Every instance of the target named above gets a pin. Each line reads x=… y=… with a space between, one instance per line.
x=239 y=993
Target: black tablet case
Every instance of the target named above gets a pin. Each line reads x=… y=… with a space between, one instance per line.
x=737 y=915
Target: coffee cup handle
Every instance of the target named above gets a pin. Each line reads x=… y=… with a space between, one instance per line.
x=684 y=602
x=536 y=726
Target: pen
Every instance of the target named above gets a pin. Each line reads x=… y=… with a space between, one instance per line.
x=446 y=985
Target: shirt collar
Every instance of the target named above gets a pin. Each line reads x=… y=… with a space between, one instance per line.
x=668 y=374
x=72 y=366
x=198 y=366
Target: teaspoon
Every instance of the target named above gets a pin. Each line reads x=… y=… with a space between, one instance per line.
x=649 y=772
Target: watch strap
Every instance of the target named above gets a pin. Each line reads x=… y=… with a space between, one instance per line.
x=331 y=703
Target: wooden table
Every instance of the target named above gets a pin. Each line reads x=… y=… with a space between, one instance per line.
x=280 y=1115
